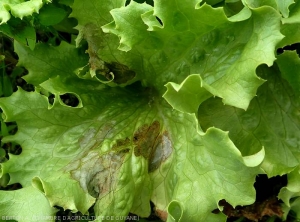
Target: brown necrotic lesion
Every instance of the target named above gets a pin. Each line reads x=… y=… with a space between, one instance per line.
x=153 y=145
x=145 y=139
x=105 y=180
x=98 y=174
x=109 y=70
x=121 y=73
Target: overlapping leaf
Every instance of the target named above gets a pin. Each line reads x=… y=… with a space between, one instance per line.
x=290 y=194
x=225 y=54
x=19 y=8
x=289 y=64
x=281 y=6
x=293 y=14
x=272 y=122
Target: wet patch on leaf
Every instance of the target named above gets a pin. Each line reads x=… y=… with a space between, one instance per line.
x=161 y=152
x=93 y=138
x=98 y=174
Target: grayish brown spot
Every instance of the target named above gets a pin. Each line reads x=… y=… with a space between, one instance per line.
x=121 y=73
x=152 y=145
x=98 y=174
x=145 y=139
x=161 y=152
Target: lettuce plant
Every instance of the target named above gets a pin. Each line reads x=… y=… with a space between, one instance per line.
x=182 y=103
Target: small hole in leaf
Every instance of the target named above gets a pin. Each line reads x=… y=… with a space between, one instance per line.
x=15 y=186
x=279 y=51
x=28 y=87
x=12 y=76
x=51 y=98
x=70 y=99
x=149 y=2
x=215 y=3
x=13 y=148
x=158 y=19
x=8 y=129
x=292 y=47
x=260 y=70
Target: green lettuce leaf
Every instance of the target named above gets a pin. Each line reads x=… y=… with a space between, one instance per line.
x=290 y=194
x=51 y=15
x=20 y=31
x=289 y=65
x=89 y=26
x=26 y=204
x=39 y=162
x=291 y=33
x=225 y=54
x=294 y=14
x=51 y=58
x=283 y=7
x=187 y=96
x=291 y=26
x=271 y=121
x=146 y=139
x=280 y=6
x=84 y=146
x=218 y=50
x=122 y=148
x=19 y=8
